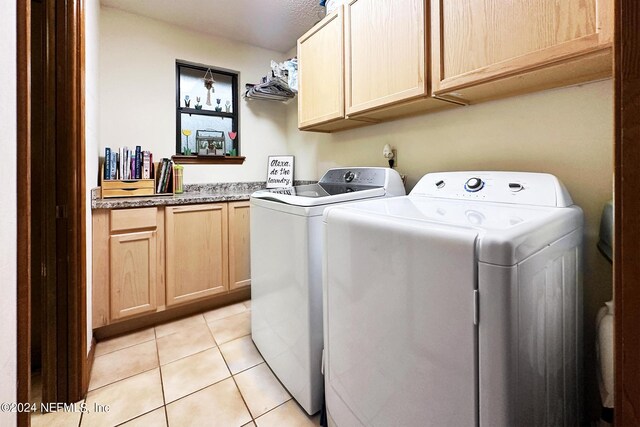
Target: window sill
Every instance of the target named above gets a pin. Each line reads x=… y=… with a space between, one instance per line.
x=208 y=160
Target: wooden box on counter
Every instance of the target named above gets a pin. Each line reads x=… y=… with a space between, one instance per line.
x=133 y=187
x=128 y=188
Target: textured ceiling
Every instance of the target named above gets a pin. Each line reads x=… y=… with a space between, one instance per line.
x=271 y=24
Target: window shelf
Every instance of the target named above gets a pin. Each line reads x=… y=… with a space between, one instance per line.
x=208 y=160
x=204 y=112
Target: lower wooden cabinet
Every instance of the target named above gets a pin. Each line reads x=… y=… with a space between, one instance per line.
x=196 y=262
x=239 y=245
x=133 y=270
x=147 y=260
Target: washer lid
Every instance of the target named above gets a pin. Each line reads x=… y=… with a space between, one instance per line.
x=319 y=194
x=507 y=233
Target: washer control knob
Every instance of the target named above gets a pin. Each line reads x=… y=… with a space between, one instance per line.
x=440 y=184
x=348 y=177
x=473 y=184
x=515 y=186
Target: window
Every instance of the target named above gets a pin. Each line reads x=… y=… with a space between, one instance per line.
x=207 y=119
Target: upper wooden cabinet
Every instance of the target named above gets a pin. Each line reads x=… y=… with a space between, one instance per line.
x=239 y=245
x=366 y=66
x=385 y=54
x=196 y=254
x=321 y=75
x=486 y=49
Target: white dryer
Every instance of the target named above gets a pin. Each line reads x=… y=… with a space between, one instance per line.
x=457 y=305
x=286 y=271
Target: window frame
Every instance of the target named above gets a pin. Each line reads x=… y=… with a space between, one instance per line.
x=234 y=116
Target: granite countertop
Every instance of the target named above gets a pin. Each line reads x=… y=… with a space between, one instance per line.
x=193 y=194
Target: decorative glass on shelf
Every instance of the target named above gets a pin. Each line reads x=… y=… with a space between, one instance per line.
x=207 y=109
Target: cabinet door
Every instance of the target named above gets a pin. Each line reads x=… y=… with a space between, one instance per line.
x=321 y=73
x=384 y=52
x=489 y=41
x=133 y=274
x=239 y=245
x=196 y=252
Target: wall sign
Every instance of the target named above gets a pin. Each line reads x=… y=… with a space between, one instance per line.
x=280 y=172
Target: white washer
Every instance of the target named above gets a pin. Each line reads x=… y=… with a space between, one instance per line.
x=457 y=305
x=286 y=272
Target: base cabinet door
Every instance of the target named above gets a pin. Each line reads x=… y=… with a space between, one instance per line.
x=196 y=252
x=133 y=272
x=239 y=245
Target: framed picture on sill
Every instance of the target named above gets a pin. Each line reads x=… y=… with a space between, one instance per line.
x=280 y=171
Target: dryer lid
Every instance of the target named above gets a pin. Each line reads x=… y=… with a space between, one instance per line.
x=507 y=233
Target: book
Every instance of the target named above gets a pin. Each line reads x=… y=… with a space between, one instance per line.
x=167 y=180
x=138 y=162
x=161 y=174
x=121 y=163
x=146 y=165
x=107 y=163
x=112 y=166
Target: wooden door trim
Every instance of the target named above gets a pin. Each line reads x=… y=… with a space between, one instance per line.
x=70 y=101
x=70 y=106
x=23 y=187
x=627 y=213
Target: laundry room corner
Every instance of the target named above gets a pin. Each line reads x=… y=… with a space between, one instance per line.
x=559 y=131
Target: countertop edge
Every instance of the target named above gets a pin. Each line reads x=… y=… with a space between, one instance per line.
x=201 y=193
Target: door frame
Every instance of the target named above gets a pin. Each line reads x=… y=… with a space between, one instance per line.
x=71 y=349
x=626 y=268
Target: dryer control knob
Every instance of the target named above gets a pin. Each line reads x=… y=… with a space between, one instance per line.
x=473 y=184
x=349 y=176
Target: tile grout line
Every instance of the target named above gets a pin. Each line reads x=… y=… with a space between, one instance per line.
x=127 y=346
x=154 y=409
x=164 y=401
x=124 y=378
x=233 y=378
x=276 y=407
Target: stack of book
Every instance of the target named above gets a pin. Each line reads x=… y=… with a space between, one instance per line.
x=165 y=173
x=127 y=164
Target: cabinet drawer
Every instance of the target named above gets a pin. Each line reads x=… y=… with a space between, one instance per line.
x=132 y=219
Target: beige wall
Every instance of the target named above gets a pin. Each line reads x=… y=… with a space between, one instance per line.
x=92 y=26
x=8 y=209
x=567 y=132
x=137 y=92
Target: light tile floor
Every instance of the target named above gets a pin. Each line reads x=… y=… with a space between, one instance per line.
x=203 y=370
